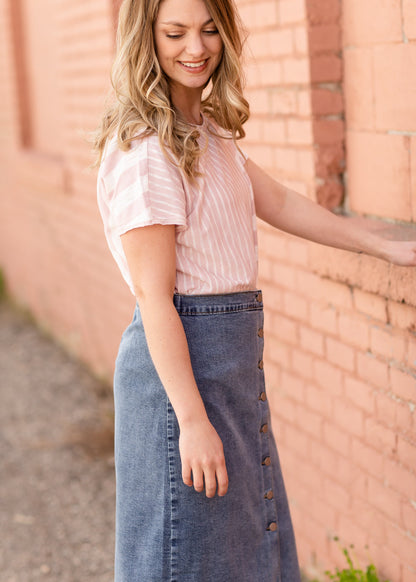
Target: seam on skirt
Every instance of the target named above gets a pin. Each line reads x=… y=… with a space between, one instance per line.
x=173 y=493
x=218 y=303
x=264 y=408
x=217 y=310
x=276 y=512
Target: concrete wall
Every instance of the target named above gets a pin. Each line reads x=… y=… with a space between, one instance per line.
x=332 y=87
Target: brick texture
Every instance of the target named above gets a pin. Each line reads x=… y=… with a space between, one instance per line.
x=382 y=185
x=340 y=346
x=328 y=106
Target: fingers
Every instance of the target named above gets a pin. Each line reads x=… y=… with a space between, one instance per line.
x=186 y=474
x=203 y=461
x=198 y=479
x=212 y=479
x=222 y=478
x=210 y=482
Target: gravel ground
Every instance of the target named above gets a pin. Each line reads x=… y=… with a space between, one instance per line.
x=57 y=468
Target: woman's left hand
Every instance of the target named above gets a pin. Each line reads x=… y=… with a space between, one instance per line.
x=401 y=253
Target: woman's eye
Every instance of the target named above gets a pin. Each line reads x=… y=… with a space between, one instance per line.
x=174 y=35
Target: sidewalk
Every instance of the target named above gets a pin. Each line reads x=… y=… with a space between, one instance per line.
x=56 y=469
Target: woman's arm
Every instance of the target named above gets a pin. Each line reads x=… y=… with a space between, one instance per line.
x=150 y=253
x=289 y=211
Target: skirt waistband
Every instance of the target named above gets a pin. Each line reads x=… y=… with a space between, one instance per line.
x=221 y=303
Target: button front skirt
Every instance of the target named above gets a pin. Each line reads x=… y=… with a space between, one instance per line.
x=166 y=531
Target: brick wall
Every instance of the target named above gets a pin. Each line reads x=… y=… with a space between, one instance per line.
x=331 y=86
x=51 y=238
x=327 y=77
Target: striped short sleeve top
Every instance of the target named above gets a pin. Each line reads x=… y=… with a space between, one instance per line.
x=216 y=240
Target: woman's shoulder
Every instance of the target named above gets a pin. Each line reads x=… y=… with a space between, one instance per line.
x=214 y=128
x=224 y=140
x=137 y=144
x=144 y=148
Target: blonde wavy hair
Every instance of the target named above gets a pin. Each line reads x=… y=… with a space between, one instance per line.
x=140 y=101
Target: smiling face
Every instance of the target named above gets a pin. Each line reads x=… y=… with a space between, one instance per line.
x=188 y=45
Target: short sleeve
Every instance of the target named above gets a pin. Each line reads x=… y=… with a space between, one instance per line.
x=141 y=187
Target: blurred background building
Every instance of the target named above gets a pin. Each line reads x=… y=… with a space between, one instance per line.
x=332 y=87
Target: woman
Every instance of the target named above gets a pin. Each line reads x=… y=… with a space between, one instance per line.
x=200 y=495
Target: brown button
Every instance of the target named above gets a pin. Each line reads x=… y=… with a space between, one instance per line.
x=267 y=461
x=269 y=495
x=260 y=365
x=263 y=396
x=264 y=428
x=259 y=297
x=272 y=526
x=260 y=333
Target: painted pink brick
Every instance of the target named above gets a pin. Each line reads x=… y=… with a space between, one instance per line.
x=349 y=417
x=296 y=306
x=280 y=41
x=403 y=384
x=311 y=341
x=336 y=438
x=367 y=458
x=360 y=394
x=409 y=18
x=284 y=328
x=380 y=186
x=384 y=342
x=399 y=478
x=292 y=11
x=406 y=454
x=402 y=316
x=326 y=69
x=340 y=355
x=370 y=304
x=296 y=70
x=324 y=318
x=317 y=399
x=383 y=498
x=359 y=90
x=373 y=370
x=395 y=74
x=378 y=435
x=372 y=21
x=328 y=376
x=302 y=363
x=325 y=38
x=324 y=11
x=354 y=331
x=413 y=174
x=402 y=544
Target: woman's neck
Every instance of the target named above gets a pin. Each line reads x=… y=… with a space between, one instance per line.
x=188 y=103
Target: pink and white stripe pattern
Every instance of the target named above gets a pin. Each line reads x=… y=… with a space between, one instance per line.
x=216 y=240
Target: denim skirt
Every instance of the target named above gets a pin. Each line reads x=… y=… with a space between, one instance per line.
x=166 y=531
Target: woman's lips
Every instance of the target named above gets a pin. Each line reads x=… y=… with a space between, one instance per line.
x=194 y=67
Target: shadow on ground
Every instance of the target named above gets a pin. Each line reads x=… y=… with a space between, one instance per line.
x=57 y=469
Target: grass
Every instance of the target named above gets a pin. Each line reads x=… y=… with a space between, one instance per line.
x=353 y=573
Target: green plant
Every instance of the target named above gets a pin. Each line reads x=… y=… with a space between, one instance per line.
x=352 y=573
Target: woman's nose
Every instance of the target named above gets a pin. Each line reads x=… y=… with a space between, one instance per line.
x=195 y=46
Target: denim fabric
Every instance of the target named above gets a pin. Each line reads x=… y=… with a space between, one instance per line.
x=165 y=531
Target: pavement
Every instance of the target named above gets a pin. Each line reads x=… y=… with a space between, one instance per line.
x=56 y=462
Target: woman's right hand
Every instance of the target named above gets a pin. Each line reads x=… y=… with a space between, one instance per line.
x=202 y=456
